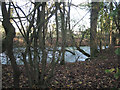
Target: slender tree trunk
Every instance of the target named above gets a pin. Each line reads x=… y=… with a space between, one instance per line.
x=101 y=34
x=111 y=22
x=63 y=35
x=39 y=20
x=53 y=63
x=110 y=33
x=27 y=69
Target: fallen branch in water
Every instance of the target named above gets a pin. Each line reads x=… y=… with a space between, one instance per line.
x=82 y=51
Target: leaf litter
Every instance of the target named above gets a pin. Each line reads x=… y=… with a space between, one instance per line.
x=85 y=74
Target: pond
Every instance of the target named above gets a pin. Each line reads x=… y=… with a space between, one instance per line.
x=69 y=57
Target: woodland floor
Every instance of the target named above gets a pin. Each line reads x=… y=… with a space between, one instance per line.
x=82 y=74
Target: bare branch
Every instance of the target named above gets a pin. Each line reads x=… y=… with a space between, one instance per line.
x=19 y=19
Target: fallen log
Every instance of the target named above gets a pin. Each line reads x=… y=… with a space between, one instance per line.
x=82 y=51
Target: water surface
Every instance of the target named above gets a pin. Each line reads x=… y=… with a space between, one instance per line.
x=68 y=56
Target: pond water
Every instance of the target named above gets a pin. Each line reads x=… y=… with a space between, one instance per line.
x=68 y=56
x=78 y=55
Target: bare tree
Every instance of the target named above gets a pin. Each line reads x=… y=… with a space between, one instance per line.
x=8 y=42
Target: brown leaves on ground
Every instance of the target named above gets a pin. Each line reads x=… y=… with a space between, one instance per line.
x=83 y=74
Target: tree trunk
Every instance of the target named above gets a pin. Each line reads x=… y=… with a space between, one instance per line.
x=44 y=55
x=93 y=31
x=10 y=34
x=119 y=42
